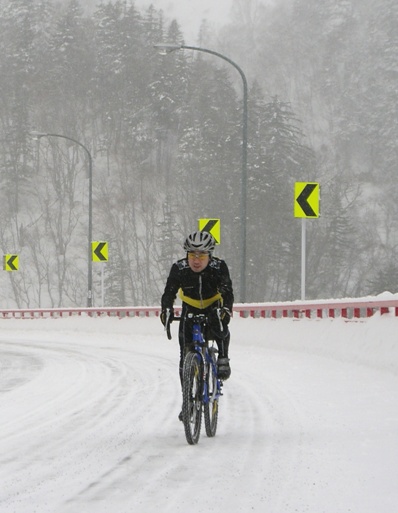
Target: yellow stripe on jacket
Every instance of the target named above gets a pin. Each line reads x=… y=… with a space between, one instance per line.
x=201 y=304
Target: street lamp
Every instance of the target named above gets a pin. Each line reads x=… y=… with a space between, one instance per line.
x=165 y=49
x=38 y=136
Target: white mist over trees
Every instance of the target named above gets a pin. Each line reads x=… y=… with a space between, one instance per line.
x=165 y=137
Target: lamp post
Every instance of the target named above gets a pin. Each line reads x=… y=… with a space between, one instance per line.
x=165 y=49
x=38 y=136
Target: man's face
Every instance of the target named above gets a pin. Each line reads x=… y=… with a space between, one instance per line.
x=198 y=260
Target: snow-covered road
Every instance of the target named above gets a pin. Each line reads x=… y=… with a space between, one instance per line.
x=308 y=421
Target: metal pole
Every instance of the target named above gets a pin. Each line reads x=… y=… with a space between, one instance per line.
x=90 y=212
x=90 y=233
x=303 y=257
x=244 y=168
x=170 y=48
x=102 y=284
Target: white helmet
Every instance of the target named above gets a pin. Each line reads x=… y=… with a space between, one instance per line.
x=200 y=241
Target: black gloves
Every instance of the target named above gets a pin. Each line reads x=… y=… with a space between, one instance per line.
x=166 y=317
x=225 y=315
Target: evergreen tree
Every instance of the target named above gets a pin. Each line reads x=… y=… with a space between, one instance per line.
x=385 y=279
x=282 y=159
x=68 y=81
x=332 y=243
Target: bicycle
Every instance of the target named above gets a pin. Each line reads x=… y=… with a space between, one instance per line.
x=201 y=387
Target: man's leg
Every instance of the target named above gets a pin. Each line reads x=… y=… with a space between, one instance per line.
x=222 y=338
x=223 y=344
x=219 y=331
x=185 y=341
x=223 y=366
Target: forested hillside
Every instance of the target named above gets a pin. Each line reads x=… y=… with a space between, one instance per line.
x=165 y=137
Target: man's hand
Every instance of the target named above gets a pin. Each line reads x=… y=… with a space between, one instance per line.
x=166 y=317
x=225 y=315
x=219 y=318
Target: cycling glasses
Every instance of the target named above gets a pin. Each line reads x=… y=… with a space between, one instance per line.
x=193 y=255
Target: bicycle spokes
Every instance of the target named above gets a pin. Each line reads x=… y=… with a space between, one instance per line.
x=192 y=400
x=201 y=388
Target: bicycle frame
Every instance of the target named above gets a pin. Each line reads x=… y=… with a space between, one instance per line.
x=201 y=387
x=201 y=347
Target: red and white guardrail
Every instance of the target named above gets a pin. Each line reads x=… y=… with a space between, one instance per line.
x=347 y=308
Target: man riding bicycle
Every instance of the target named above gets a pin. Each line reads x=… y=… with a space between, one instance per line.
x=204 y=286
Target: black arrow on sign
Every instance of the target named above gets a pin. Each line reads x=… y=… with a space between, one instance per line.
x=98 y=250
x=10 y=263
x=210 y=225
x=302 y=200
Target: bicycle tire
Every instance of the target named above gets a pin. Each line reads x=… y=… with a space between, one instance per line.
x=210 y=409
x=192 y=391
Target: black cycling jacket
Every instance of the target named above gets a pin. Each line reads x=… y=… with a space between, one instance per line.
x=213 y=279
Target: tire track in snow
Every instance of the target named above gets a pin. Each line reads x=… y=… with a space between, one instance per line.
x=295 y=424
x=98 y=402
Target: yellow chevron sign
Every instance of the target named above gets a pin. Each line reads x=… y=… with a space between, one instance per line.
x=306 y=199
x=10 y=262
x=99 y=251
x=213 y=226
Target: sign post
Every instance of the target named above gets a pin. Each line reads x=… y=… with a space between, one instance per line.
x=306 y=205
x=99 y=251
x=303 y=256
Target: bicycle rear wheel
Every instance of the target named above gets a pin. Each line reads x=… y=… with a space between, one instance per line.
x=192 y=397
x=210 y=408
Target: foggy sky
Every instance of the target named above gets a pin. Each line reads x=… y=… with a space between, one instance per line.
x=190 y=13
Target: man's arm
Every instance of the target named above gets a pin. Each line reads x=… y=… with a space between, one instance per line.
x=171 y=288
x=226 y=288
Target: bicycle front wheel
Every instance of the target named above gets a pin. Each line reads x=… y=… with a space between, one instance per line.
x=210 y=408
x=192 y=397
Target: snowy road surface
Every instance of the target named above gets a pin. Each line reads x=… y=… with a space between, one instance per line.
x=308 y=421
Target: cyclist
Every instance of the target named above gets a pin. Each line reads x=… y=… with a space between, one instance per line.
x=204 y=286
